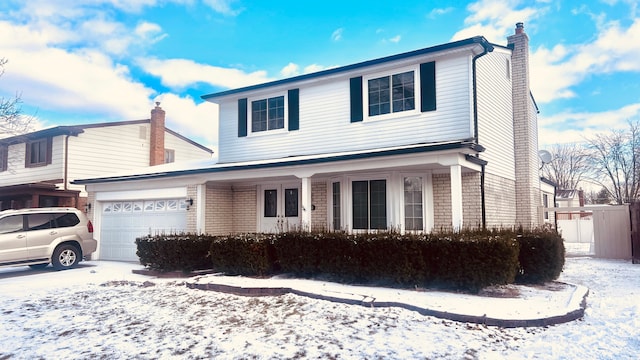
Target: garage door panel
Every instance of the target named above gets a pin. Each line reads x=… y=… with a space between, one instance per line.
x=123 y=222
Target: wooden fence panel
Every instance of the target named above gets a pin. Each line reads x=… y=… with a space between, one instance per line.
x=634 y=210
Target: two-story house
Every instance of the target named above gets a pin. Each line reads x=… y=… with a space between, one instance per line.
x=440 y=137
x=37 y=169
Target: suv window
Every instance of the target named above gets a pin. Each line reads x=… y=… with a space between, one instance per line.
x=39 y=222
x=11 y=224
x=66 y=219
x=51 y=220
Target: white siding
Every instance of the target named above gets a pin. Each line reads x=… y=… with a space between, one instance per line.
x=495 y=113
x=17 y=173
x=103 y=150
x=325 y=118
x=184 y=150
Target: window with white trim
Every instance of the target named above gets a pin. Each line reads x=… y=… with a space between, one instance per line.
x=369 y=201
x=413 y=204
x=267 y=114
x=391 y=93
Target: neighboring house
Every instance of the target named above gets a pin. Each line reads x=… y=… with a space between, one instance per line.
x=438 y=138
x=566 y=198
x=548 y=189
x=37 y=169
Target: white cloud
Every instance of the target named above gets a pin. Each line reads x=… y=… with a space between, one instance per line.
x=223 y=7
x=571 y=127
x=395 y=39
x=196 y=121
x=180 y=73
x=290 y=70
x=337 y=34
x=440 y=11
x=495 y=19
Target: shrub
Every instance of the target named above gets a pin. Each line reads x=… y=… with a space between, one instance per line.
x=541 y=256
x=470 y=260
x=243 y=254
x=176 y=252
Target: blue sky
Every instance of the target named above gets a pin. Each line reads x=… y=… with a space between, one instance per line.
x=87 y=61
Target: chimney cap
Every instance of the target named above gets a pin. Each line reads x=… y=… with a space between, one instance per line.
x=157 y=103
x=519 y=27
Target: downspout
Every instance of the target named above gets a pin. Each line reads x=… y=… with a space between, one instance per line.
x=66 y=161
x=487 y=48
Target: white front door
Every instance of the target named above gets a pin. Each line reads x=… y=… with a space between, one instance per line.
x=280 y=208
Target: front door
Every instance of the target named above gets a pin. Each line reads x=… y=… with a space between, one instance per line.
x=280 y=208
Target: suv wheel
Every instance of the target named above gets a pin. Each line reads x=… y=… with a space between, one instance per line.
x=65 y=257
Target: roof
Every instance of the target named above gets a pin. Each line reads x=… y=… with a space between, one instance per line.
x=210 y=166
x=567 y=194
x=479 y=40
x=75 y=130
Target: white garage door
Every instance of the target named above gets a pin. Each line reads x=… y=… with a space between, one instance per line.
x=124 y=221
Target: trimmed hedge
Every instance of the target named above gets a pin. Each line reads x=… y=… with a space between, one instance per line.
x=244 y=254
x=469 y=260
x=541 y=256
x=177 y=252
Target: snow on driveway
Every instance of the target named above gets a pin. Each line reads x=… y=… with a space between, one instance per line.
x=101 y=310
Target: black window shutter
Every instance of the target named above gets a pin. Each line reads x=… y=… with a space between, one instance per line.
x=428 y=86
x=294 y=109
x=355 y=85
x=242 y=117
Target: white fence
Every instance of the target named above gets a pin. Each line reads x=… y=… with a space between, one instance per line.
x=600 y=231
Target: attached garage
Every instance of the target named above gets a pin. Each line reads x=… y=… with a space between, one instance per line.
x=123 y=219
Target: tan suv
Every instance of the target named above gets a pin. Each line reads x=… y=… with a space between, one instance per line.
x=37 y=237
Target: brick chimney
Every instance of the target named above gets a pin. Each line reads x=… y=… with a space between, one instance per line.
x=525 y=125
x=156 y=139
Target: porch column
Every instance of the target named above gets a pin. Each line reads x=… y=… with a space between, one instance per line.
x=456 y=196
x=306 y=204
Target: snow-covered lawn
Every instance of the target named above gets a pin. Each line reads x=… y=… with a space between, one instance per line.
x=101 y=310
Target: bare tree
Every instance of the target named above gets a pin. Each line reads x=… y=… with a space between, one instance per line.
x=615 y=162
x=12 y=121
x=569 y=164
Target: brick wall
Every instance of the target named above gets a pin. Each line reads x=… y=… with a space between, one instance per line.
x=319 y=200
x=500 y=201
x=219 y=210
x=441 y=201
x=192 y=215
x=244 y=209
x=156 y=139
x=525 y=133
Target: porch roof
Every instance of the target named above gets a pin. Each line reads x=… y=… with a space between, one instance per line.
x=211 y=166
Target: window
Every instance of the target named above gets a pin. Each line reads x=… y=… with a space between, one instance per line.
x=38 y=152
x=169 y=156
x=337 y=223
x=11 y=224
x=413 y=214
x=545 y=203
x=393 y=93
x=267 y=114
x=369 y=204
x=4 y=157
x=270 y=203
x=291 y=202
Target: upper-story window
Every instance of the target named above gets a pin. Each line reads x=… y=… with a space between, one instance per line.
x=169 y=156
x=261 y=115
x=406 y=91
x=392 y=93
x=38 y=152
x=267 y=114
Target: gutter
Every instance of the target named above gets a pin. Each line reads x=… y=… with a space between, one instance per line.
x=487 y=48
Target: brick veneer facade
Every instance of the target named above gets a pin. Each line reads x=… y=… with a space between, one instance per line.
x=528 y=196
x=156 y=137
